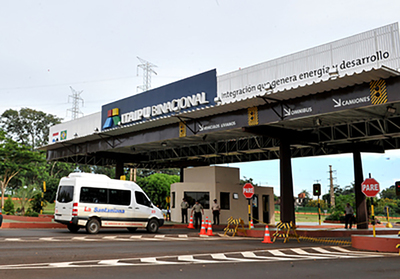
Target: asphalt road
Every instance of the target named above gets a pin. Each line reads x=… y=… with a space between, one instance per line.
x=179 y=253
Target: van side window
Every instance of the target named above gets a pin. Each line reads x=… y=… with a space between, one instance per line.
x=93 y=195
x=119 y=197
x=142 y=199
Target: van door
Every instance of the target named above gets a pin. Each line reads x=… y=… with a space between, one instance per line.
x=143 y=207
x=64 y=203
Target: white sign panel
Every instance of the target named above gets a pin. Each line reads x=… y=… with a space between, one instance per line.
x=354 y=54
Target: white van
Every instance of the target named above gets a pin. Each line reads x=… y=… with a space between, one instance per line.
x=95 y=200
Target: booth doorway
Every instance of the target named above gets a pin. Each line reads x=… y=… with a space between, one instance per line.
x=265 y=208
x=254 y=207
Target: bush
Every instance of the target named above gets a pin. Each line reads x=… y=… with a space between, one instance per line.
x=31 y=213
x=36 y=203
x=335 y=216
x=9 y=207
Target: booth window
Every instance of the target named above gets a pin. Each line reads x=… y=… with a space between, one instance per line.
x=202 y=197
x=224 y=199
x=173 y=200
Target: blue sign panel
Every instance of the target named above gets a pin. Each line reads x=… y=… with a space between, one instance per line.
x=187 y=94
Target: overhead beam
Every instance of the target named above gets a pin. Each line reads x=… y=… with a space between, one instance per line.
x=290 y=135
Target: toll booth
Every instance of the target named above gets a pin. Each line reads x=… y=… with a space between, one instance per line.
x=222 y=183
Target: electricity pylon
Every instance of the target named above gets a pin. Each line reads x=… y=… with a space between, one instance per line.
x=147 y=71
x=76 y=98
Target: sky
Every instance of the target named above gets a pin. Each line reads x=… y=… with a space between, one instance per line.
x=49 y=48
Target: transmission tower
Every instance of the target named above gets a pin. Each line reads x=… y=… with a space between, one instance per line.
x=147 y=68
x=76 y=99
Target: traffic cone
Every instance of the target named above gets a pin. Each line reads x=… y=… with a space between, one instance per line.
x=209 y=229
x=267 y=238
x=251 y=224
x=191 y=223
x=203 y=228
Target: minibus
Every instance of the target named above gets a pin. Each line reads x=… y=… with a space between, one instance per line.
x=92 y=201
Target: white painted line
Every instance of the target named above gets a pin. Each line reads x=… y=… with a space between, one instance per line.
x=221 y=256
x=160 y=235
x=189 y=258
x=252 y=255
x=13 y=239
x=136 y=236
x=110 y=237
x=114 y=262
x=183 y=235
x=323 y=254
x=48 y=239
x=64 y=264
x=155 y=261
x=348 y=253
x=281 y=254
x=83 y=238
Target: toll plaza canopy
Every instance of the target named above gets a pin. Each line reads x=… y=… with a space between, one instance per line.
x=338 y=97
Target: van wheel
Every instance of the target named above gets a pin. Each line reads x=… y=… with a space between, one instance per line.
x=93 y=226
x=152 y=226
x=73 y=228
x=132 y=229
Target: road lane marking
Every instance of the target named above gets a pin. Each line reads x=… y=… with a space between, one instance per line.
x=114 y=262
x=228 y=257
x=48 y=239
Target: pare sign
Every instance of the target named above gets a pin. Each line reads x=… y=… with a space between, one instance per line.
x=370 y=187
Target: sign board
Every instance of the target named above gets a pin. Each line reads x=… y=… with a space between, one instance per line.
x=361 y=52
x=370 y=187
x=248 y=190
x=185 y=95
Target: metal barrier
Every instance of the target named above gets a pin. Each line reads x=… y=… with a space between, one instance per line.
x=235 y=223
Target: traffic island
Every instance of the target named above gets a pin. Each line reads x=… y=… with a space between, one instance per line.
x=379 y=243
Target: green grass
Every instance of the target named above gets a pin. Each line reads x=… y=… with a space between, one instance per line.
x=302 y=218
x=49 y=208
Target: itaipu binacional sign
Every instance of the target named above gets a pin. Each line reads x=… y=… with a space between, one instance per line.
x=370 y=187
x=248 y=190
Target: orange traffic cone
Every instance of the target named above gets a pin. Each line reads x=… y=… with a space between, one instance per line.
x=209 y=229
x=251 y=224
x=203 y=228
x=267 y=238
x=191 y=223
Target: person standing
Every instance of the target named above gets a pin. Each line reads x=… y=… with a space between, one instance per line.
x=198 y=210
x=348 y=218
x=215 y=211
x=184 y=210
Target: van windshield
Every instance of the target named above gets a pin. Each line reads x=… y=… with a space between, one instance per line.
x=65 y=194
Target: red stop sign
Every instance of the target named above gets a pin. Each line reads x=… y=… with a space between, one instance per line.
x=370 y=187
x=248 y=190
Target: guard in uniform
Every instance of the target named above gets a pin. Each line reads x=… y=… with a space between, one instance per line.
x=198 y=210
x=215 y=211
x=184 y=209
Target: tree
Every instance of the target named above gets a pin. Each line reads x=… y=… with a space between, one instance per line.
x=28 y=126
x=157 y=187
x=389 y=193
x=14 y=158
x=26 y=193
x=245 y=180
